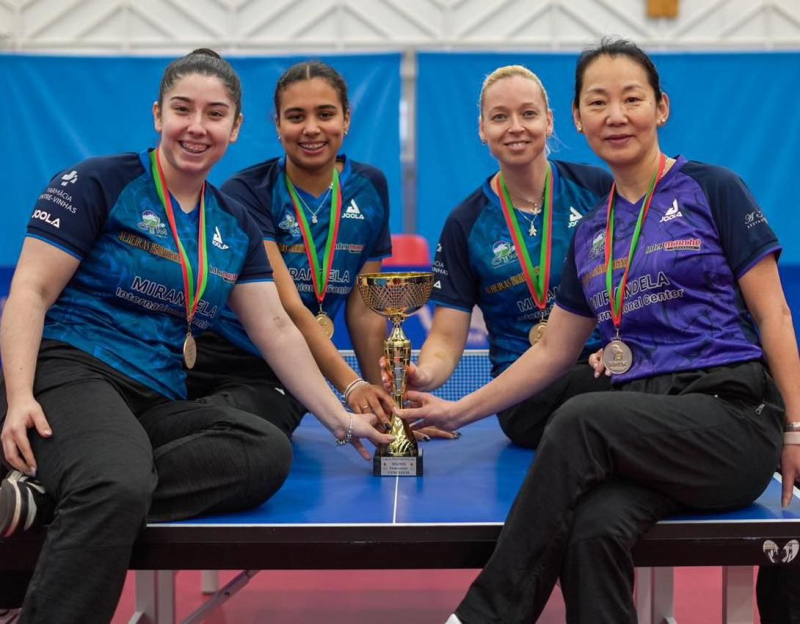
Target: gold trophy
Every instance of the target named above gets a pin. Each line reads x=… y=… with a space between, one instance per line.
x=397 y=296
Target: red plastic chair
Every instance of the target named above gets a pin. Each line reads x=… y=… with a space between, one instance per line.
x=408 y=251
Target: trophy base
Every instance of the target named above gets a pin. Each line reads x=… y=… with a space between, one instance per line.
x=384 y=465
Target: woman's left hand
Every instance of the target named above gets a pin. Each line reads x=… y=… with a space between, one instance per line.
x=596 y=362
x=790 y=471
x=363 y=426
x=431 y=411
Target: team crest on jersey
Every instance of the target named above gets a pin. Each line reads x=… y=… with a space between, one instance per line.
x=598 y=246
x=289 y=224
x=152 y=223
x=504 y=253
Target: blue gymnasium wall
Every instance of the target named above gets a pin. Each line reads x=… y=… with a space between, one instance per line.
x=731 y=109
x=735 y=110
x=59 y=110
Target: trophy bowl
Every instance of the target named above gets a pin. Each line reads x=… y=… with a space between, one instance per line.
x=395 y=295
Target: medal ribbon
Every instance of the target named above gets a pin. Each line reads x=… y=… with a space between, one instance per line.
x=540 y=286
x=320 y=275
x=193 y=293
x=618 y=302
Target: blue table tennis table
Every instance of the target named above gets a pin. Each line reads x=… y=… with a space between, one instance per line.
x=333 y=514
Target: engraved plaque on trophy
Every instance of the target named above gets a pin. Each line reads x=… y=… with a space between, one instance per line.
x=397 y=296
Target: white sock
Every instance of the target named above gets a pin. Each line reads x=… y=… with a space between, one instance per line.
x=453 y=619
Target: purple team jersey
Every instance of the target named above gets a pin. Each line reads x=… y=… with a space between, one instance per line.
x=683 y=306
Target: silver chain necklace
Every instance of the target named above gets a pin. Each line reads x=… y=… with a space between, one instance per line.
x=314 y=213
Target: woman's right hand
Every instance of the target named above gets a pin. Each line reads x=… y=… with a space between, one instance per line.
x=430 y=411
x=363 y=426
x=416 y=380
x=596 y=362
x=20 y=417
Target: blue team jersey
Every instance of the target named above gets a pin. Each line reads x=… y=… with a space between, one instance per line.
x=683 y=307
x=476 y=262
x=125 y=303
x=363 y=231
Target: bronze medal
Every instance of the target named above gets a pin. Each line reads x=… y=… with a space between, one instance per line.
x=193 y=294
x=325 y=323
x=536 y=332
x=617 y=357
x=538 y=282
x=189 y=351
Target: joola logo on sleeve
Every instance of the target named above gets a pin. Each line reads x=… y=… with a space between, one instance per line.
x=352 y=211
x=42 y=215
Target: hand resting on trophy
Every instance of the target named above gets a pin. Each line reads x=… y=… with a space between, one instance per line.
x=416 y=381
x=426 y=411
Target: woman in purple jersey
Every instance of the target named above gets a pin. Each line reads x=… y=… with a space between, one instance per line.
x=515 y=122
x=678 y=269
x=96 y=446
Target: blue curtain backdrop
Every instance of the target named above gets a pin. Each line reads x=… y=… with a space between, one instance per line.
x=735 y=110
x=59 y=110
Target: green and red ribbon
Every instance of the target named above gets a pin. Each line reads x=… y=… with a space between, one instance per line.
x=193 y=292
x=539 y=285
x=320 y=270
x=617 y=301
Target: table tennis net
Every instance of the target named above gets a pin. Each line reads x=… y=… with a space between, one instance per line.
x=472 y=372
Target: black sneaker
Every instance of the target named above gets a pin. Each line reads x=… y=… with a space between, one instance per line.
x=24 y=504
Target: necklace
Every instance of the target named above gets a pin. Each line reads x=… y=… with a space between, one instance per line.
x=532 y=231
x=536 y=206
x=314 y=213
x=531 y=213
